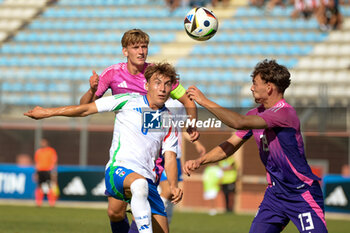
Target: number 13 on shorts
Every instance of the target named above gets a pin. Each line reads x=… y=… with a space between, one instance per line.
x=306 y=221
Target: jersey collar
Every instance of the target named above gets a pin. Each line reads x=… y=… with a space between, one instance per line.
x=146 y=102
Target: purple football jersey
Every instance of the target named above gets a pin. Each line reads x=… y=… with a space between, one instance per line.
x=281 y=148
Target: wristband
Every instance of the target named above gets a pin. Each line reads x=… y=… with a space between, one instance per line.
x=227 y=147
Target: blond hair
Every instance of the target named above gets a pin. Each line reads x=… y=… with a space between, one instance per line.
x=134 y=36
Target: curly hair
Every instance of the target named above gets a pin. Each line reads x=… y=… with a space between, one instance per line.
x=271 y=71
x=134 y=36
x=162 y=68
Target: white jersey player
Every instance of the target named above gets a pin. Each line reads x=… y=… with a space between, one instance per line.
x=135 y=118
x=138 y=139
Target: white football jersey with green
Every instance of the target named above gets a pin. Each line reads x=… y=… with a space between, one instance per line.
x=139 y=136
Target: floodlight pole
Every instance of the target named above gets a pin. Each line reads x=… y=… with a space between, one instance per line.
x=84 y=139
x=38 y=135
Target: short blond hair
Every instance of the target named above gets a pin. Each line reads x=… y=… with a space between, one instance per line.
x=134 y=36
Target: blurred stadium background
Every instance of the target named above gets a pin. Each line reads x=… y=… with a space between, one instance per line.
x=49 y=48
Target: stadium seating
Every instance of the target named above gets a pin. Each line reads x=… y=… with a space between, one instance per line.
x=14 y=14
x=253 y=34
x=54 y=54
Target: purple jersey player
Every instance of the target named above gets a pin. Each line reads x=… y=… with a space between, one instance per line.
x=129 y=77
x=293 y=191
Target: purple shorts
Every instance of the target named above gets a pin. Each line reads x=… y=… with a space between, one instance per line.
x=305 y=210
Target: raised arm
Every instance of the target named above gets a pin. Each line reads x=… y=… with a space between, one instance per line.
x=68 y=111
x=170 y=166
x=200 y=148
x=229 y=118
x=191 y=110
x=220 y=152
x=90 y=96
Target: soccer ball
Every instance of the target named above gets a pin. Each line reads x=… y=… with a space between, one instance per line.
x=201 y=24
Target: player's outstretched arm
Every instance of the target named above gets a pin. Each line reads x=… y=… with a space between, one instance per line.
x=216 y=154
x=191 y=110
x=68 y=111
x=170 y=167
x=200 y=148
x=229 y=118
x=220 y=152
x=90 y=96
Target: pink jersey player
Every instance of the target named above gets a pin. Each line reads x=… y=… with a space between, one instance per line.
x=293 y=192
x=281 y=144
x=119 y=80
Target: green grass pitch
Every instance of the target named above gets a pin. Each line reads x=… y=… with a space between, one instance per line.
x=30 y=219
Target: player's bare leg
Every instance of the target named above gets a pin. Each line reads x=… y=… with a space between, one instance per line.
x=116 y=213
x=160 y=224
x=166 y=197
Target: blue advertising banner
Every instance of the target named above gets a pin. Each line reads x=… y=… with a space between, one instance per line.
x=74 y=182
x=17 y=182
x=337 y=193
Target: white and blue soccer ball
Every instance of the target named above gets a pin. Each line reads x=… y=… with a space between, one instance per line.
x=201 y=24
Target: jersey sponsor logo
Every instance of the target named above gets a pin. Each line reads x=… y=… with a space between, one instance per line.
x=138 y=110
x=337 y=197
x=75 y=187
x=123 y=84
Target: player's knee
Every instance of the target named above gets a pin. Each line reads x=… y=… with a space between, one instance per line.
x=139 y=188
x=165 y=190
x=115 y=216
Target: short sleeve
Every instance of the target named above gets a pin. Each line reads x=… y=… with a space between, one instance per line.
x=104 y=81
x=278 y=117
x=244 y=134
x=112 y=103
x=170 y=141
